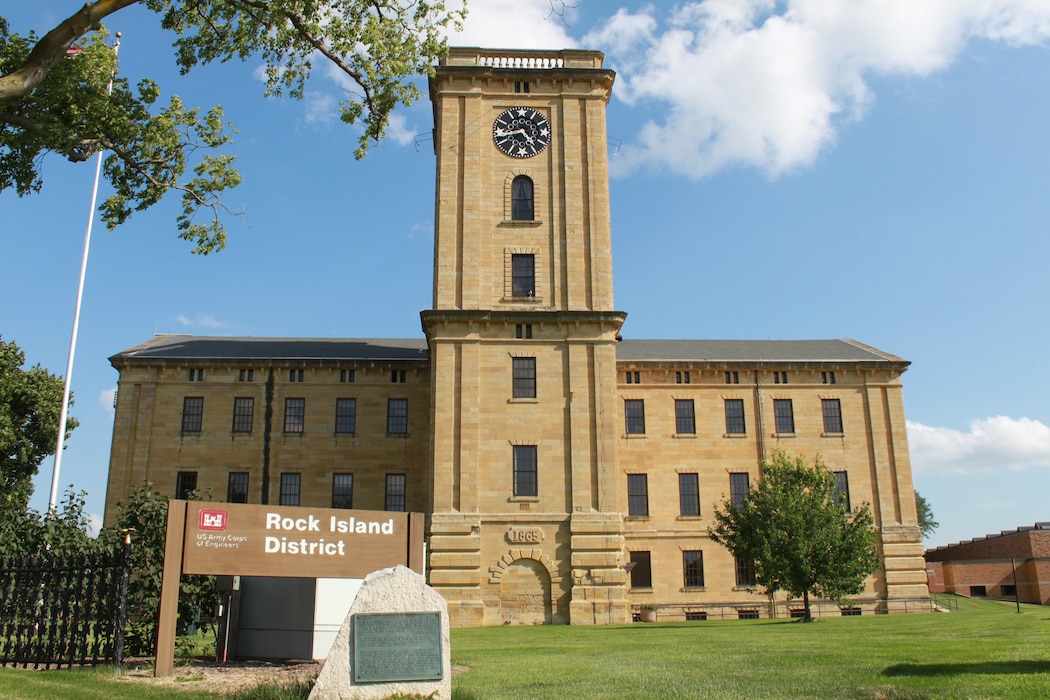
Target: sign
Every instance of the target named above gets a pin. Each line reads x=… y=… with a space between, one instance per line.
x=251 y=540
x=238 y=539
x=397 y=647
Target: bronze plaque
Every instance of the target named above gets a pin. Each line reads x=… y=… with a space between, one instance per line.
x=253 y=540
x=397 y=647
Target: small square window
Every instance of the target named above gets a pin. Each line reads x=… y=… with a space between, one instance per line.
x=295 y=375
x=780 y=377
x=634 y=377
x=346 y=375
x=397 y=376
x=523 y=330
x=246 y=375
x=732 y=377
x=827 y=377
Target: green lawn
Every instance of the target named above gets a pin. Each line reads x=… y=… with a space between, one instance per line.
x=986 y=650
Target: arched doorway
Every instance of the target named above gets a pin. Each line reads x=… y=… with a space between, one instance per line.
x=525 y=594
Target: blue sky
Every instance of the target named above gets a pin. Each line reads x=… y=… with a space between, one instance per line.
x=871 y=169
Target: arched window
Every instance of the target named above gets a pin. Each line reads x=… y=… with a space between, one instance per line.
x=521 y=208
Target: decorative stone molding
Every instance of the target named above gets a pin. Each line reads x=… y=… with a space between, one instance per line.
x=496 y=572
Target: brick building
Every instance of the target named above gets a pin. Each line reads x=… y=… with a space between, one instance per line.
x=568 y=476
x=1012 y=563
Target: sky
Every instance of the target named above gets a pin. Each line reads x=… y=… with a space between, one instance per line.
x=867 y=169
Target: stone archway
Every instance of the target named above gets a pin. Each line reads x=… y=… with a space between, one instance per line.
x=525 y=594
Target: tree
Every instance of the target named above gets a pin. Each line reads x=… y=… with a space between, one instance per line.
x=925 y=516
x=30 y=404
x=51 y=104
x=800 y=538
x=26 y=533
x=145 y=516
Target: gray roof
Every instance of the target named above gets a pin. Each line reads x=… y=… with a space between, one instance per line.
x=840 y=350
x=194 y=347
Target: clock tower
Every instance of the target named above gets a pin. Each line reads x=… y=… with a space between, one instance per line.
x=525 y=524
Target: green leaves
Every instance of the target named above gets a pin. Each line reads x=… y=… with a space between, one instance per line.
x=801 y=540
x=53 y=104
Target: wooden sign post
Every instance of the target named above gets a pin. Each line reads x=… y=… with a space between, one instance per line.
x=236 y=539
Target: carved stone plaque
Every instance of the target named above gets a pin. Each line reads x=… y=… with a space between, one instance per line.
x=397 y=647
x=525 y=535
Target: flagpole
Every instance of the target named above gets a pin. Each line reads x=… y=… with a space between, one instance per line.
x=62 y=416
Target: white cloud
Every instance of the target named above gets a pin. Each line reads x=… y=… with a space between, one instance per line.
x=94 y=524
x=766 y=83
x=514 y=24
x=105 y=399
x=204 y=321
x=993 y=445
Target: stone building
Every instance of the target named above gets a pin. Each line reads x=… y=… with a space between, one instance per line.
x=568 y=476
x=1014 y=564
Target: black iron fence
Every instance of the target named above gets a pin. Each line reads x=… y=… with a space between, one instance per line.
x=64 y=610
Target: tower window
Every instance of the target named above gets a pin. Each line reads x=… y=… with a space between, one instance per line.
x=521 y=86
x=523 y=275
x=521 y=199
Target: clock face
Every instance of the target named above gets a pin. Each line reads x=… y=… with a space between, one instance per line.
x=521 y=132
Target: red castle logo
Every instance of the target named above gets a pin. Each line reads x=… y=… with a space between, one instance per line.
x=213 y=520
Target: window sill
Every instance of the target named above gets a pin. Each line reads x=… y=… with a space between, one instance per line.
x=348 y=435
x=690 y=518
x=397 y=435
x=521 y=223
x=293 y=433
x=693 y=589
x=833 y=435
x=734 y=435
x=240 y=433
x=636 y=518
x=634 y=436
x=784 y=435
x=523 y=399
x=684 y=436
x=523 y=499
x=536 y=300
x=745 y=589
x=190 y=433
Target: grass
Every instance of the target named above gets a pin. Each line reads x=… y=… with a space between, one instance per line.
x=986 y=650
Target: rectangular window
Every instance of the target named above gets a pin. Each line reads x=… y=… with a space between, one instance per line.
x=739 y=485
x=784 y=416
x=185 y=483
x=397 y=416
x=842 y=490
x=295 y=375
x=735 y=417
x=523 y=330
x=237 y=488
x=634 y=411
x=290 y=484
x=693 y=568
x=397 y=376
x=196 y=375
x=523 y=275
x=745 y=573
x=827 y=377
x=978 y=591
x=638 y=494
x=1008 y=589
x=346 y=416
x=681 y=378
x=634 y=377
x=343 y=491
x=642 y=571
x=749 y=614
x=689 y=494
x=524 y=370
x=525 y=478
x=346 y=375
x=695 y=615
x=192 y=414
x=684 y=417
x=780 y=377
x=832 y=409
x=246 y=375
x=732 y=377
x=294 y=415
x=395 y=492
x=243 y=411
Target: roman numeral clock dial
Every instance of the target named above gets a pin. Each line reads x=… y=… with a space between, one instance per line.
x=521 y=132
